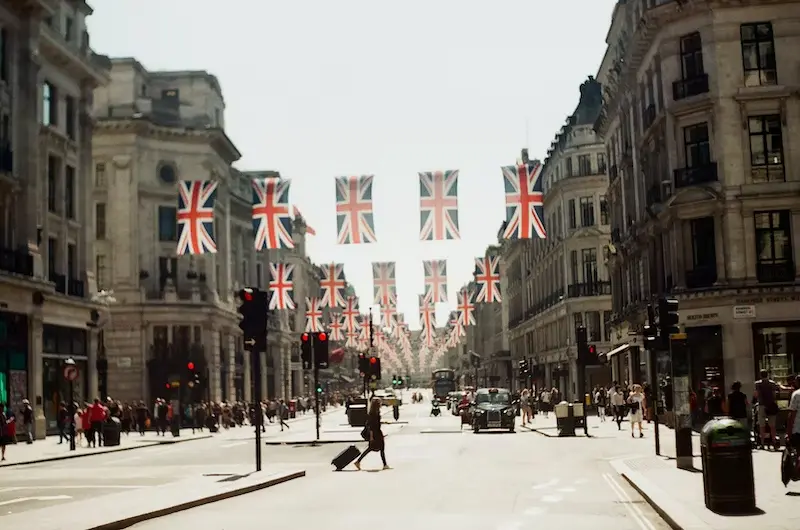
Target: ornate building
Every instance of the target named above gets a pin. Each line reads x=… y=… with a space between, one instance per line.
x=47 y=75
x=154 y=129
x=699 y=117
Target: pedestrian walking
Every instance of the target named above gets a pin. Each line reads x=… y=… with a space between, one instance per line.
x=637 y=403
x=376 y=439
x=5 y=437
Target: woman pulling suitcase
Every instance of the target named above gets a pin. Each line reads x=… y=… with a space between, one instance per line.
x=376 y=440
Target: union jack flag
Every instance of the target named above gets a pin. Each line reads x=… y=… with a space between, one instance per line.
x=296 y=212
x=352 y=339
x=524 y=201
x=384 y=282
x=487 y=278
x=272 y=222
x=350 y=314
x=438 y=204
x=313 y=315
x=466 y=308
x=196 y=200
x=388 y=315
x=281 y=286
x=332 y=285
x=354 y=219
x=428 y=336
x=336 y=328
x=427 y=313
x=400 y=328
x=435 y=280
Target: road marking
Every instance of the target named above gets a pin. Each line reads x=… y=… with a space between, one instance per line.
x=234 y=444
x=552 y=498
x=634 y=511
x=548 y=484
x=74 y=487
x=26 y=499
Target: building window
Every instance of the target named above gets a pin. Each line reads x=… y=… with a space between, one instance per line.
x=569 y=167
x=167 y=173
x=607 y=326
x=593 y=326
x=584 y=165
x=69 y=192
x=71 y=123
x=52 y=256
x=774 y=246
x=766 y=148
x=100 y=220
x=100 y=175
x=704 y=255
x=573 y=267
x=587 y=211
x=101 y=271
x=72 y=261
x=696 y=147
x=49 y=104
x=167 y=223
x=4 y=54
x=571 y=213
x=758 y=54
x=603 y=211
x=589 y=265
x=53 y=163
x=601 y=163
x=167 y=269
x=691 y=56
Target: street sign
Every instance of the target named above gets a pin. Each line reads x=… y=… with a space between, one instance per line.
x=70 y=372
x=251 y=342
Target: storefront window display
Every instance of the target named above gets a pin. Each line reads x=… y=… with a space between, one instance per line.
x=776 y=348
x=13 y=359
x=59 y=344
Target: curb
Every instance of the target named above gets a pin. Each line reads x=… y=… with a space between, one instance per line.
x=130 y=521
x=116 y=450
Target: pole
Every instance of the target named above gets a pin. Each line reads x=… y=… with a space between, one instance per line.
x=316 y=383
x=258 y=414
x=654 y=389
x=71 y=416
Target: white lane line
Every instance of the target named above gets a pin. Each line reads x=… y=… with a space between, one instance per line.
x=548 y=484
x=74 y=487
x=634 y=511
x=26 y=499
x=552 y=498
x=234 y=444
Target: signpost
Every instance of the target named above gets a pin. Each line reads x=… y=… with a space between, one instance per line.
x=71 y=373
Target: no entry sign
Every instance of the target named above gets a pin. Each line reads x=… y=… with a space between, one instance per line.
x=70 y=372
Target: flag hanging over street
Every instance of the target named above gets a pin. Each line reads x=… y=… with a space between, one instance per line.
x=524 y=201
x=487 y=279
x=313 y=315
x=438 y=204
x=384 y=283
x=435 y=280
x=388 y=316
x=351 y=314
x=272 y=222
x=196 y=199
x=332 y=285
x=427 y=313
x=281 y=286
x=354 y=216
x=336 y=327
x=352 y=339
x=465 y=308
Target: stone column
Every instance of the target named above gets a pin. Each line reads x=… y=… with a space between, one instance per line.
x=93 y=390
x=230 y=349
x=719 y=248
x=262 y=358
x=36 y=373
x=211 y=341
x=84 y=200
x=679 y=248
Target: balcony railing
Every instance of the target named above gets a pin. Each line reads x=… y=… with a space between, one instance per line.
x=577 y=290
x=775 y=272
x=691 y=176
x=685 y=88
x=16 y=261
x=76 y=288
x=700 y=277
x=60 y=280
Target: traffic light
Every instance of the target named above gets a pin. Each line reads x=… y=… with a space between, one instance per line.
x=190 y=366
x=306 y=350
x=668 y=318
x=253 y=308
x=374 y=368
x=321 y=344
x=592 y=354
x=363 y=364
x=319 y=388
x=650 y=331
x=582 y=344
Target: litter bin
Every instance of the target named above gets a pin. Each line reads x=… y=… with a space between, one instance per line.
x=728 y=483
x=565 y=419
x=111 y=431
x=357 y=413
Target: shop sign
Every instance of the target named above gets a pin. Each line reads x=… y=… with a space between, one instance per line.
x=744 y=311
x=768 y=299
x=702 y=316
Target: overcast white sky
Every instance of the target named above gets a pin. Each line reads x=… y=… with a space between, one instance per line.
x=318 y=89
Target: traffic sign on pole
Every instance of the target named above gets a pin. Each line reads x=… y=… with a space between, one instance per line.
x=70 y=372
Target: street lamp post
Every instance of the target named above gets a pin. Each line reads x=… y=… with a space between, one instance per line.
x=71 y=362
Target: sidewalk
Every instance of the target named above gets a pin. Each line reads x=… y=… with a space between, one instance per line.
x=49 y=450
x=678 y=494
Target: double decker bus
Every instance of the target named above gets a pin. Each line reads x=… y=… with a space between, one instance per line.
x=443 y=382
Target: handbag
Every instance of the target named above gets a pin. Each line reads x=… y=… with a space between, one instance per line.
x=365 y=433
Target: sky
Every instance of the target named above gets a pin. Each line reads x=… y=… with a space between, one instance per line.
x=318 y=89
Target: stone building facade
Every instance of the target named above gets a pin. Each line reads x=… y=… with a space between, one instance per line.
x=47 y=75
x=152 y=130
x=701 y=122
x=562 y=280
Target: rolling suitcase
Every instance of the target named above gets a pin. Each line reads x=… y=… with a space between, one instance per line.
x=345 y=458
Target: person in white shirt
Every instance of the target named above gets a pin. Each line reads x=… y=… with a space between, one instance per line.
x=637 y=403
x=545 y=402
x=617 y=401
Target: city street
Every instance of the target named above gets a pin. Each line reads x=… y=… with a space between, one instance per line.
x=441 y=477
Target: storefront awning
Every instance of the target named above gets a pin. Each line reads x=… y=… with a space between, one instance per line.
x=618 y=349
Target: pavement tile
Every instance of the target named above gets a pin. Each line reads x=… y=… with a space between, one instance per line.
x=49 y=450
x=125 y=509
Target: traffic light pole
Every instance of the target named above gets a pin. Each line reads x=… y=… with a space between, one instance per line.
x=258 y=414
x=316 y=381
x=653 y=376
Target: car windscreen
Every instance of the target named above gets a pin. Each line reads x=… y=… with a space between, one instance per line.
x=494 y=398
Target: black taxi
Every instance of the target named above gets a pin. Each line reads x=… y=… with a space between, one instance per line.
x=492 y=409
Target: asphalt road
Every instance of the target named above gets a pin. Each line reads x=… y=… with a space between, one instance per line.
x=441 y=478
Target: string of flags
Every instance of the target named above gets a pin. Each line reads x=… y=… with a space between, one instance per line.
x=273 y=216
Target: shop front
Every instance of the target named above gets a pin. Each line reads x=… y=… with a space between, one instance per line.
x=59 y=344
x=13 y=359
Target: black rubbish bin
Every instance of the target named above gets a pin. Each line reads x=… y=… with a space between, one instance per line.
x=357 y=413
x=175 y=426
x=728 y=483
x=111 y=431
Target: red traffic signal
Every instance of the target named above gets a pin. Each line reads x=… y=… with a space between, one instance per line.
x=373 y=360
x=246 y=295
x=304 y=337
x=167 y=386
x=592 y=349
x=190 y=365
x=322 y=336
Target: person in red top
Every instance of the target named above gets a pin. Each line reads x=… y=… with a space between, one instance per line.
x=97 y=415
